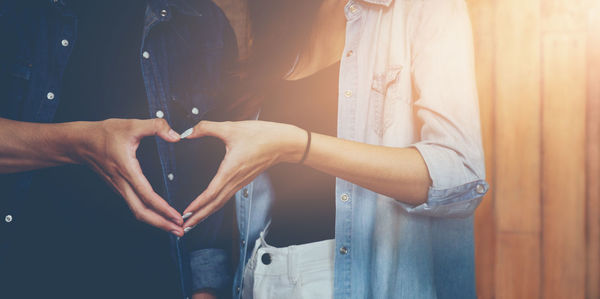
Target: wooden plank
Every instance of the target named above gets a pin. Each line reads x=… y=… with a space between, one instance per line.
x=593 y=153
x=517 y=150
x=481 y=12
x=517 y=268
x=563 y=15
x=564 y=94
x=517 y=170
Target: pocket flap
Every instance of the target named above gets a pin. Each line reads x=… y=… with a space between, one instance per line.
x=382 y=81
x=20 y=70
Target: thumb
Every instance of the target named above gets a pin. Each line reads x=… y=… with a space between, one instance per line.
x=160 y=127
x=203 y=128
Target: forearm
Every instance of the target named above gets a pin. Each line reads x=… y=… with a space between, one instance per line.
x=400 y=173
x=26 y=146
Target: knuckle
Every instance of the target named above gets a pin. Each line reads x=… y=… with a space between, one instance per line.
x=139 y=215
x=160 y=123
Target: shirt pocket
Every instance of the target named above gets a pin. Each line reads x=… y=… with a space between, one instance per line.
x=385 y=94
x=15 y=86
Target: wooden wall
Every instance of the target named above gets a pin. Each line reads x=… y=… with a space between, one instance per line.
x=538 y=72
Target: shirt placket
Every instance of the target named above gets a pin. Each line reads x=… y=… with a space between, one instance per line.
x=347 y=102
x=157 y=103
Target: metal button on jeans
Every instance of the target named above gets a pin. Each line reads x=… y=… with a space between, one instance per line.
x=266 y=258
x=50 y=96
x=146 y=55
x=8 y=218
x=245 y=192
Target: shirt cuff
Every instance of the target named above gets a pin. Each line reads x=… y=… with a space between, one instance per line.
x=210 y=269
x=457 y=182
x=454 y=202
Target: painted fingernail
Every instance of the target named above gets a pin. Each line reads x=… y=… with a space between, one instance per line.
x=187 y=229
x=174 y=134
x=187 y=133
x=186 y=215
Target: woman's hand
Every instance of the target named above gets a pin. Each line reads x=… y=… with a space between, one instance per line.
x=252 y=147
x=109 y=148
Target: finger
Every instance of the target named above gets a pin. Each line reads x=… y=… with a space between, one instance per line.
x=158 y=127
x=142 y=213
x=141 y=186
x=211 y=192
x=204 y=128
x=207 y=210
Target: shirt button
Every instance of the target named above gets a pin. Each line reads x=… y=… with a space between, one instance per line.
x=245 y=192
x=64 y=42
x=349 y=53
x=238 y=290
x=348 y=93
x=170 y=176
x=243 y=242
x=480 y=189
x=163 y=12
x=50 y=96
x=195 y=111
x=145 y=54
x=160 y=114
x=344 y=250
x=345 y=197
x=353 y=8
x=8 y=218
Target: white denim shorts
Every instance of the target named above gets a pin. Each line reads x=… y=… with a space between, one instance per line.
x=298 y=271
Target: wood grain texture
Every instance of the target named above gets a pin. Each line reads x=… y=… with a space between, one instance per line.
x=517 y=152
x=564 y=94
x=517 y=268
x=563 y=15
x=481 y=11
x=593 y=153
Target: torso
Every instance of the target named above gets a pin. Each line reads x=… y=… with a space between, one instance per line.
x=304 y=207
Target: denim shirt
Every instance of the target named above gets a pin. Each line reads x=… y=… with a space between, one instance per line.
x=185 y=45
x=406 y=80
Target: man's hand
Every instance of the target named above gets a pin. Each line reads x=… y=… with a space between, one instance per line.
x=109 y=148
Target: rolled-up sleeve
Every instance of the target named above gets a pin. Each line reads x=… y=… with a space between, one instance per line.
x=210 y=269
x=446 y=107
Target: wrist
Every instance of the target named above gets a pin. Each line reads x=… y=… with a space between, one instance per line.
x=294 y=144
x=76 y=139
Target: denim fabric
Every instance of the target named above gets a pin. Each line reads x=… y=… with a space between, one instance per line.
x=406 y=80
x=186 y=44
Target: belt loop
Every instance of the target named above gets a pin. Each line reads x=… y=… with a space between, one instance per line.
x=292 y=264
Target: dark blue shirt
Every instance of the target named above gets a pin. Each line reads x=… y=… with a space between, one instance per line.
x=68 y=232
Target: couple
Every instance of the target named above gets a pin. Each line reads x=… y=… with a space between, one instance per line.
x=349 y=164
